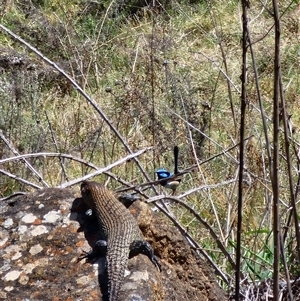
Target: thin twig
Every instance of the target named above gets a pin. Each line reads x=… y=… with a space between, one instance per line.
x=66 y=156
x=260 y=101
x=220 y=69
x=57 y=149
x=210 y=139
x=11 y=147
x=34 y=155
x=10 y=175
x=291 y=187
x=102 y=170
x=219 y=41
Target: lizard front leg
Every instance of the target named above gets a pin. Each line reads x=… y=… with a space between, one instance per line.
x=143 y=247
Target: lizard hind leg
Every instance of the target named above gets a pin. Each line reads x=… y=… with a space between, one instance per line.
x=99 y=249
x=143 y=247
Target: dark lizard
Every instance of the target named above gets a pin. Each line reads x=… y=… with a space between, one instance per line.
x=123 y=238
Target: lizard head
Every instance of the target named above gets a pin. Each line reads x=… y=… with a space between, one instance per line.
x=87 y=192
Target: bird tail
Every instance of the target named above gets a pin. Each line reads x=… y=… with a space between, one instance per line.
x=176 y=151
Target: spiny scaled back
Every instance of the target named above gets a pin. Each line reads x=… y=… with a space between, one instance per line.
x=111 y=214
x=121 y=231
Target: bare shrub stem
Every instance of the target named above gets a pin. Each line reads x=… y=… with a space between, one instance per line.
x=242 y=149
x=275 y=175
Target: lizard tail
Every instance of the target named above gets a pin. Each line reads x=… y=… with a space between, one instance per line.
x=117 y=258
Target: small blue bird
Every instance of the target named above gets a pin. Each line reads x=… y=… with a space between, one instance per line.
x=164 y=174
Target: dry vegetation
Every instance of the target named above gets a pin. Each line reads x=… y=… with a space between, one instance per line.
x=163 y=77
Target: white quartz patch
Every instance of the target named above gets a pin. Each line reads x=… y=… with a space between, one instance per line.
x=22 y=229
x=16 y=256
x=8 y=223
x=35 y=249
x=39 y=230
x=52 y=217
x=3 y=241
x=11 y=249
x=11 y=276
x=28 y=268
x=83 y=280
x=28 y=218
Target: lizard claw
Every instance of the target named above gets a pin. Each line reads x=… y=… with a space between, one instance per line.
x=155 y=261
x=83 y=256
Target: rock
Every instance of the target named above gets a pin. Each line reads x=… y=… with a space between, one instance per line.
x=42 y=235
x=185 y=276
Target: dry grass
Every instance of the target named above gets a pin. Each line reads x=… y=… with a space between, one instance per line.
x=152 y=76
